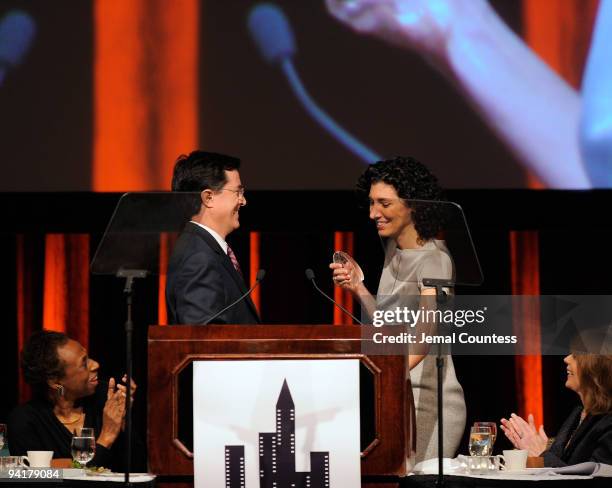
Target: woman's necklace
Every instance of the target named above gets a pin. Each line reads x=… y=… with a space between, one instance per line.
x=70 y=422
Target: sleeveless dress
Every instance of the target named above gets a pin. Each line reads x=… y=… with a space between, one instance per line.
x=401 y=283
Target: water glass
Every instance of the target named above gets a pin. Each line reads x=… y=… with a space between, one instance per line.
x=86 y=432
x=492 y=426
x=481 y=441
x=483 y=464
x=11 y=462
x=83 y=449
x=3 y=439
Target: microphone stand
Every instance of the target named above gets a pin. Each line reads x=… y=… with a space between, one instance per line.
x=311 y=277
x=441 y=299
x=128 y=291
x=260 y=276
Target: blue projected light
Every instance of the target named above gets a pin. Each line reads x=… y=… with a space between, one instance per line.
x=17 y=31
x=596 y=123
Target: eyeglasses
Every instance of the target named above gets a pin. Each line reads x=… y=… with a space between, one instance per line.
x=239 y=192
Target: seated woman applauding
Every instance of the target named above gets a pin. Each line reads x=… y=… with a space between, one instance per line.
x=67 y=397
x=586 y=435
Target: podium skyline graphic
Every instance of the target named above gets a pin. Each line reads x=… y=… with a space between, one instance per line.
x=277 y=455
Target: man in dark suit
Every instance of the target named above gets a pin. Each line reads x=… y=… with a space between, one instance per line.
x=203 y=273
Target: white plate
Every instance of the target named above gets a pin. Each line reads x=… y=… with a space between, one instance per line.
x=72 y=472
x=103 y=473
x=110 y=474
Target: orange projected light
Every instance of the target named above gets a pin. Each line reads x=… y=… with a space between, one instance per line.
x=66 y=285
x=525 y=263
x=145 y=91
x=559 y=31
x=164 y=256
x=254 y=241
x=54 y=299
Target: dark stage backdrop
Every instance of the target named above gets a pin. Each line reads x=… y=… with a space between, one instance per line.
x=297 y=230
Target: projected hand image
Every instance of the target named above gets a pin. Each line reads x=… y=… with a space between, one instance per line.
x=423 y=25
x=596 y=123
x=562 y=136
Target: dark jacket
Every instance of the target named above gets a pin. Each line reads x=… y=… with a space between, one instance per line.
x=34 y=427
x=589 y=441
x=201 y=281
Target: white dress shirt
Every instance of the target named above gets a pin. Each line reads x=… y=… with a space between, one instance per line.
x=217 y=237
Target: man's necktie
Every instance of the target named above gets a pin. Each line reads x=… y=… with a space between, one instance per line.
x=233 y=259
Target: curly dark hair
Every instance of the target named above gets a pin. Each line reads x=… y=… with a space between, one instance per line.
x=40 y=361
x=412 y=181
x=199 y=171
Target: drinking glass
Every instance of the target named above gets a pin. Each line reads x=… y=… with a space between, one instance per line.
x=83 y=449
x=11 y=462
x=86 y=432
x=480 y=441
x=348 y=262
x=2 y=436
x=493 y=427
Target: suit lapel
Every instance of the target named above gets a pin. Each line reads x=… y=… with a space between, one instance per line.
x=225 y=260
x=580 y=432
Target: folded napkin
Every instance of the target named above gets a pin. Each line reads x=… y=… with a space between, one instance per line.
x=590 y=469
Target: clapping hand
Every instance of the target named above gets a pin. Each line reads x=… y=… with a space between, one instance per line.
x=113 y=413
x=525 y=435
x=123 y=387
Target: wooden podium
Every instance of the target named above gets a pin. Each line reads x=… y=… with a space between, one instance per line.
x=388 y=452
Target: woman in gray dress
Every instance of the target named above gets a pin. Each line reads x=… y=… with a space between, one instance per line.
x=412 y=253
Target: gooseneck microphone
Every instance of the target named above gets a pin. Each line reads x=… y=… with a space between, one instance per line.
x=17 y=30
x=258 y=278
x=275 y=41
x=310 y=276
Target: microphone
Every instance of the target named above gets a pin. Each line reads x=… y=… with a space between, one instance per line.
x=275 y=41
x=310 y=276
x=271 y=32
x=17 y=30
x=258 y=278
